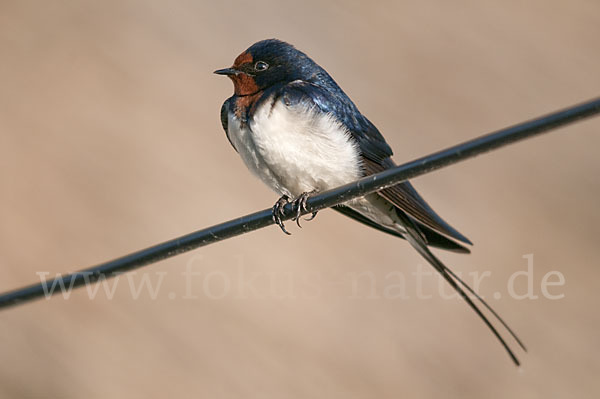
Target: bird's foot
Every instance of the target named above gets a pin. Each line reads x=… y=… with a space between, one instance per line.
x=278 y=212
x=300 y=204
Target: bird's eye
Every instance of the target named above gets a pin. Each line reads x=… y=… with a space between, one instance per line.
x=261 y=66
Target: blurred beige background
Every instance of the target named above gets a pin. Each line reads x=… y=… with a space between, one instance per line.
x=110 y=141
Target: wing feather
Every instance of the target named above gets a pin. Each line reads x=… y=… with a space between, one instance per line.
x=405 y=197
x=432 y=237
x=226 y=108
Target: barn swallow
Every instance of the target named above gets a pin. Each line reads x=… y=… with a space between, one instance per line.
x=297 y=130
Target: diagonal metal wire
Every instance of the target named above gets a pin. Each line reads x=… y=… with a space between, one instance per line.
x=366 y=185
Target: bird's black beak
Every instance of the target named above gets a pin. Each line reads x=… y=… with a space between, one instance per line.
x=227 y=71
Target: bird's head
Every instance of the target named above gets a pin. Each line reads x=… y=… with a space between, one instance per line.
x=269 y=62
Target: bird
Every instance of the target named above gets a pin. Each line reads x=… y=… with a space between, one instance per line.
x=298 y=132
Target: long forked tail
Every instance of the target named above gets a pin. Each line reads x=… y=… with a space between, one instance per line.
x=413 y=236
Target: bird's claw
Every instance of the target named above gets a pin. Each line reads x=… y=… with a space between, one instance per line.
x=300 y=204
x=278 y=212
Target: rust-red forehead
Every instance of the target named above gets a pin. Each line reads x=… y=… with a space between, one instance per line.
x=243 y=58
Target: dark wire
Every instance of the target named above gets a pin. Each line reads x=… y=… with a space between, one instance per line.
x=323 y=200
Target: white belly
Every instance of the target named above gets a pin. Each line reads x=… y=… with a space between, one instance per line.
x=295 y=150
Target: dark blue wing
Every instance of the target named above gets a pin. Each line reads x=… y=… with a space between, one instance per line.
x=432 y=237
x=407 y=199
x=226 y=108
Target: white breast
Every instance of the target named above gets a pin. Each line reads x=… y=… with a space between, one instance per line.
x=295 y=149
